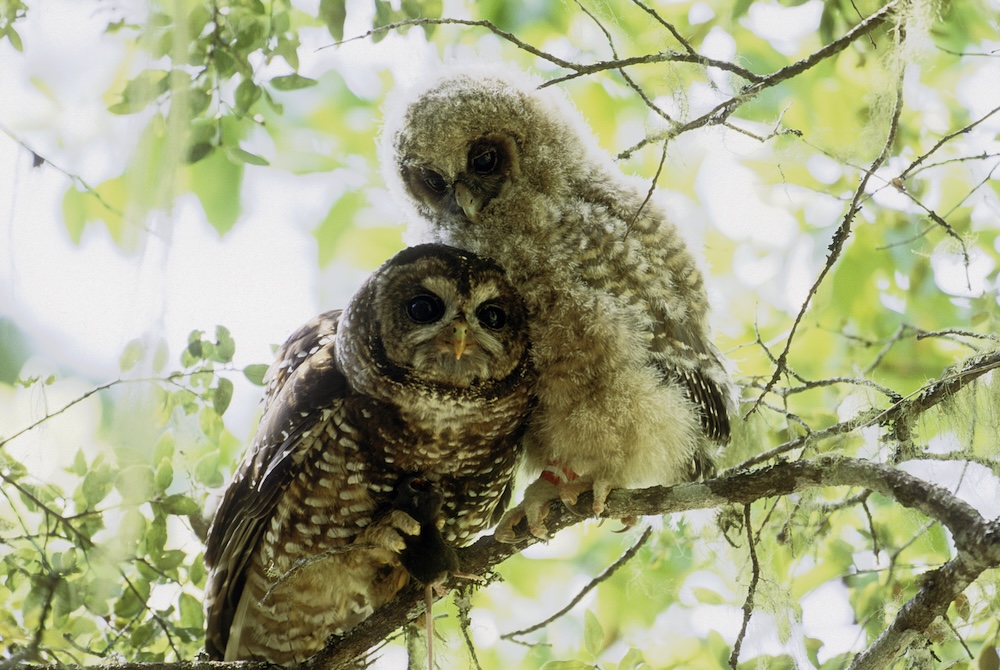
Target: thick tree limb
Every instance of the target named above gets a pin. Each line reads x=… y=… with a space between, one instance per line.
x=977 y=540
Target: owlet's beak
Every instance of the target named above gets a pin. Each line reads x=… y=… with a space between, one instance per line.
x=458 y=339
x=468 y=203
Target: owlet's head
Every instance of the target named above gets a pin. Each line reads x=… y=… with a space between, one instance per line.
x=473 y=137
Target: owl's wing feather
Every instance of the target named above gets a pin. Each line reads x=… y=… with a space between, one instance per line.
x=710 y=399
x=304 y=379
x=702 y=375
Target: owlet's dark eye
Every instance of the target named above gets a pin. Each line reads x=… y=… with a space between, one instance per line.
x=424 y=308
x=483 y=160
x=492 y=316
x=434 y=181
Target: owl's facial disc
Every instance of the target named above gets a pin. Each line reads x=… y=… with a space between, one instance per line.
x=462 y=188
x=453 y=338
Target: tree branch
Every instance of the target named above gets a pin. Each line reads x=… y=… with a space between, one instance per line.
x=977 y=540
x=839 y=237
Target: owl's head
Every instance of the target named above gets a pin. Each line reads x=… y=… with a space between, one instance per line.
x=460 y=144
x=436 y=316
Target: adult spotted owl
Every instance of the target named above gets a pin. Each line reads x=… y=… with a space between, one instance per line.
x=425 y=374
x=631 y=390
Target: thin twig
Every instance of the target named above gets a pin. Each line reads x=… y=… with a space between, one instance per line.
x=673 y=31
x=37 y=160
x=906 y=408
x=464 y=605
x=628 y=80
x=839 y=239
x=489 y=25
x=650 y=191
x=751 y=590
x=944 y=140
x=604 y=576
x=103 y=387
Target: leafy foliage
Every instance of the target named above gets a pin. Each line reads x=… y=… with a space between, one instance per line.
x=840 y=174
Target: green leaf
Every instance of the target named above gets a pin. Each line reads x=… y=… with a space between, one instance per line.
x=247 y=93
x=707 y=596
x=164 y=475
x=197 y=102
x=160 y=356
x=211 y=424
x=156 y=535
x=221 y=396
x=191 y=612
x=133 y=599
x=241 y=155
x=164 y=449
x=333 y=13
x=225 y=346
x=131 y=529
x=593 y=633
x=276 y=106
x=133 y=353
x=196 y=573
x=289 y=50
x=255 y=373
x=280 y=23
x=136 y=483
x=217 y=182
x=97 y=485
x=383 y=17
x=567 y=665
x=146 y=87
x=79 y=467
x=632 y=660
x=291 y=82
x=988 y=658
x=199 y=151
x=74 y=212
x=169 y=560
x=179 y=504
x=337 y=222
x=206 y=470
x=15 y=39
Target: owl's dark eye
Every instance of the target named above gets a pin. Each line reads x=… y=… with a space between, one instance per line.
x=483 y=160
x=424 y=308
x=492 y=316
x=434 y=181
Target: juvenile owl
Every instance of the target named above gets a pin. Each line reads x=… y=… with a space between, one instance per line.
x=631 y=390
x=425 y=375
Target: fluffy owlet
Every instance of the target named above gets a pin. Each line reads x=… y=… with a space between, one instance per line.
x=425 y=375
x=631 y=391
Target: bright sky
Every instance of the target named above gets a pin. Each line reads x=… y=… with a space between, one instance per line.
x=82 y=304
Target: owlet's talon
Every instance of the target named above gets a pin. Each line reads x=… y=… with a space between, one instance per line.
x=628 y=523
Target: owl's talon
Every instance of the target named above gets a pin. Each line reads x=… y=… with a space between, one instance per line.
x=601 y=491
x=403 y=522
x=628 y=523
x=583 y=514
x=387 y=535
x=534 y=508
x=505 y=529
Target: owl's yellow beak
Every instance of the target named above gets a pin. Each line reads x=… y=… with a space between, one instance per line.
x=465 y=200
x=458 y=340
